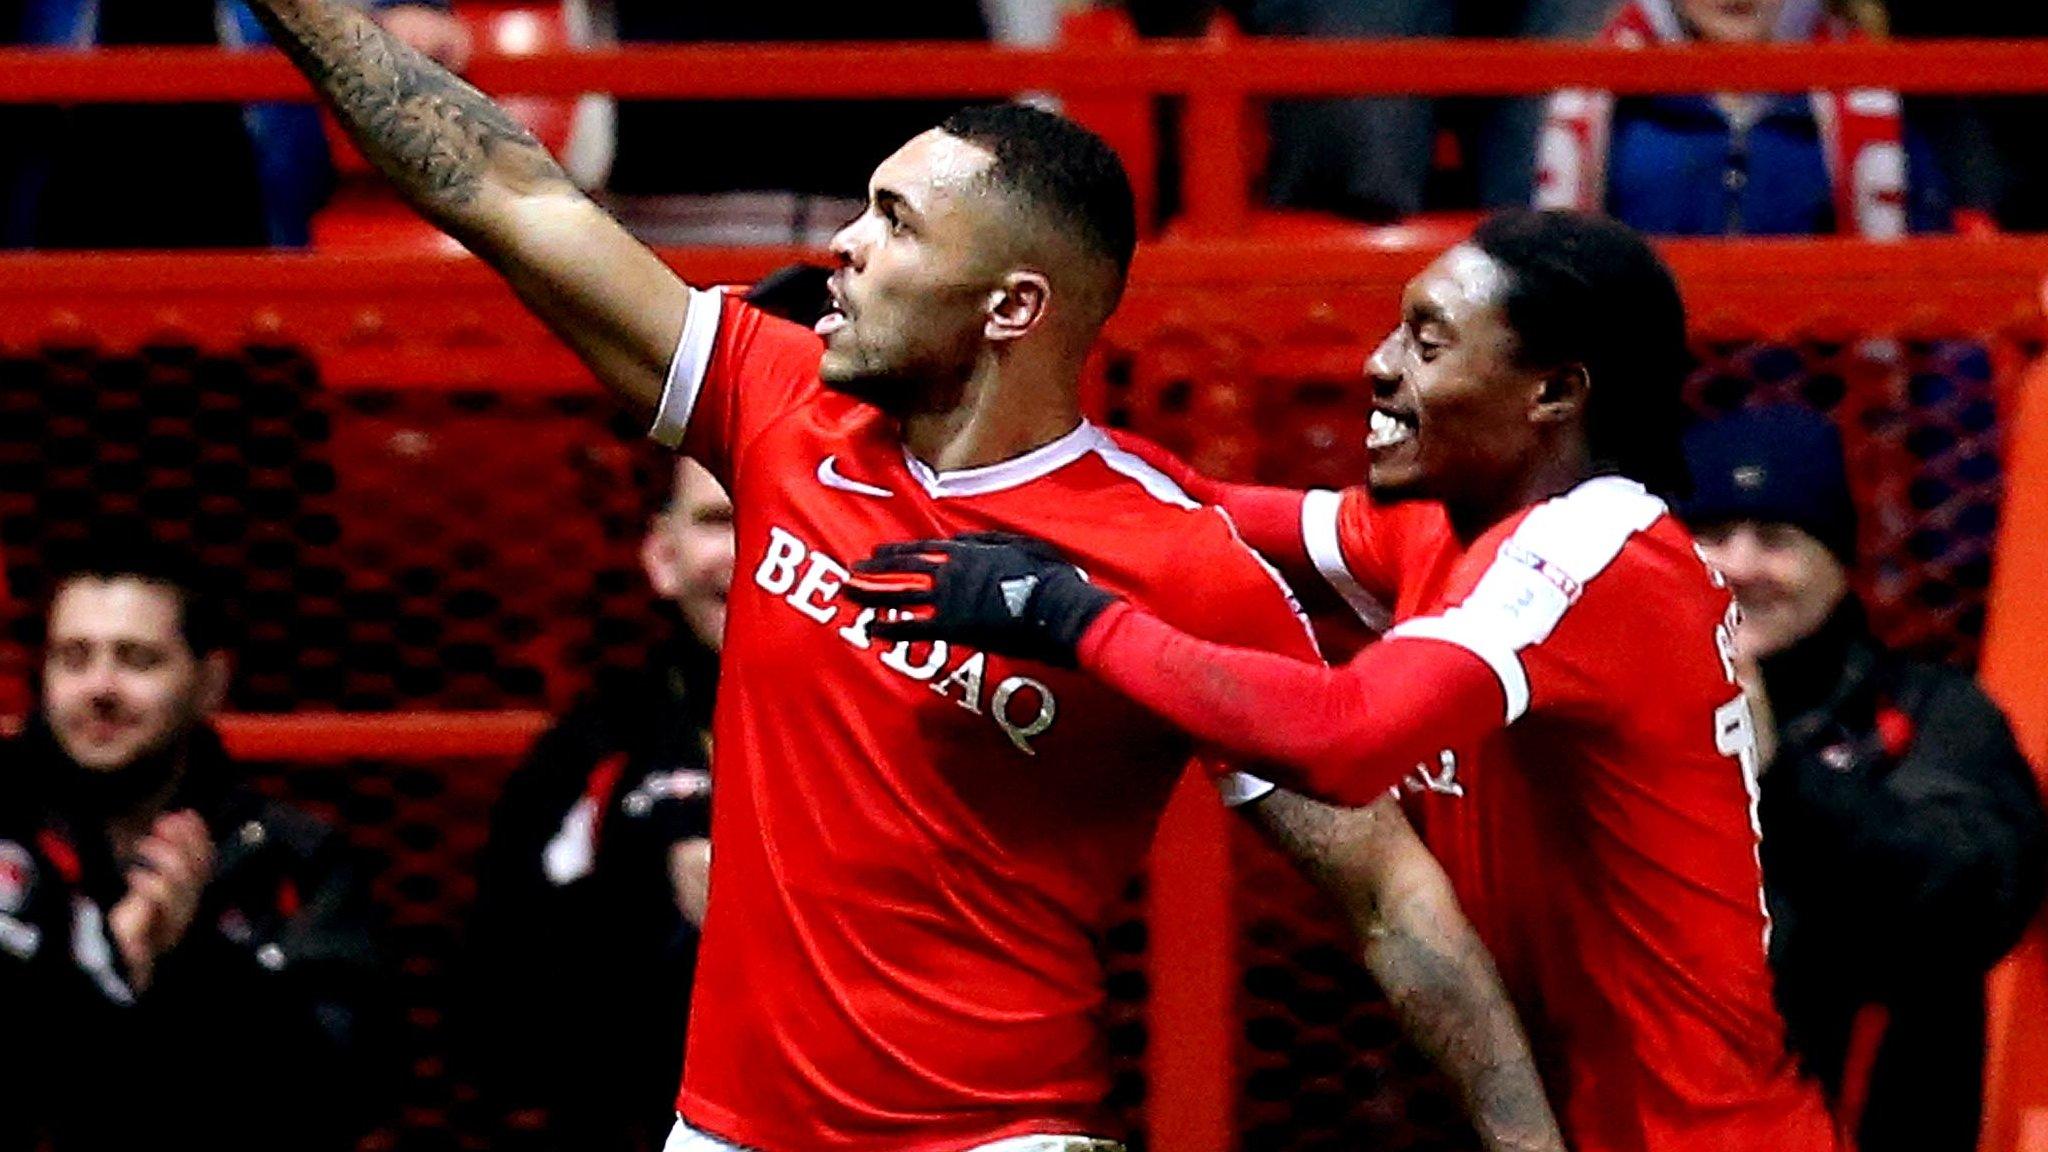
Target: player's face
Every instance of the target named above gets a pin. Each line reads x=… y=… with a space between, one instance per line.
x=1450 y=403
x=688 y=552
x=914 y=280
x=1785 y=580
x=119 y=681
x=1730 y=21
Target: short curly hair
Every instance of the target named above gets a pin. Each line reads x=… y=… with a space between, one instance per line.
x=1585 y=289
x=1058 y=168
x=116 y=552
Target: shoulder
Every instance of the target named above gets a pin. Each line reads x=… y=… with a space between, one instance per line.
x=1199 y=573
x=1582 y=533
x=1549 y=557
x=1925 y=688
x=1586 y=572
x=735 y=329
x=557 y=768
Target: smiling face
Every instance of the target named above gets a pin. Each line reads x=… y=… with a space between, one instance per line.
x=916 y=272
x=1785 y=580
x=1451 y=404
x=119 y=680
x=688 y=552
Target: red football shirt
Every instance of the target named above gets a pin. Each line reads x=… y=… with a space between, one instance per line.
x=1604 y=839
x=917 y=844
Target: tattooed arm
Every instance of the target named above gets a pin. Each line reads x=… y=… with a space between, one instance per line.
x=1417 y=943
x=471 y=169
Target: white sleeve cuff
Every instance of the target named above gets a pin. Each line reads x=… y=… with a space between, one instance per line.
x=1241 y=788
x=1506 y=664
x=686 y=370
x=1320 y=508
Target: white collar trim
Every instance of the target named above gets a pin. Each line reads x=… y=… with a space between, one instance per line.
x=1015 y=472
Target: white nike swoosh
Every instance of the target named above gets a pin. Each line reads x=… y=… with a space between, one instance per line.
x=828 y=475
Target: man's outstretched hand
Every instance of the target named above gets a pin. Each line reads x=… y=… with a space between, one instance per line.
x=995 y=591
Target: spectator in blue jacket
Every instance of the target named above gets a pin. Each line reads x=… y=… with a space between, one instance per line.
x=85 y=177
x=1739 y=163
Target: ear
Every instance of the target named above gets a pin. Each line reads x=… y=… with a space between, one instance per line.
x=215 y=670
x=1561 y=395
x=658 y=559
x=1018 y=306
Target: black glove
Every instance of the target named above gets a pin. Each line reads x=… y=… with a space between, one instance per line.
x=995 y=591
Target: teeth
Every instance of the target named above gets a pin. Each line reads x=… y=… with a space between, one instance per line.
x=1386 y=431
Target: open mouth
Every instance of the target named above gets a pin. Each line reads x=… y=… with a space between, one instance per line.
x=1388 y=430
x=835 y=311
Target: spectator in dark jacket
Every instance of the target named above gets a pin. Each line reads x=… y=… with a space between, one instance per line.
x=183 y=963
x=1903 y=842
x=594 y=880
x=1989 y=144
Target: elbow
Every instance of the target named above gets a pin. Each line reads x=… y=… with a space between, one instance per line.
x=1334 y=771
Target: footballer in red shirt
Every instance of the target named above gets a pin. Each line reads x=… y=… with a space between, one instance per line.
x=1556 y=693
x=916 y=844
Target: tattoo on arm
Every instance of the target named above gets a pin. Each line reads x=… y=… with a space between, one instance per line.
x=1437 y=975
x=436 y=137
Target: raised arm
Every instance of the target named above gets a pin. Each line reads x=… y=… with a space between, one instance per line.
x=1416 y=941
x=472 y=170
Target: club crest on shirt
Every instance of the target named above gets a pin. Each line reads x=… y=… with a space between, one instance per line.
x=809 y=582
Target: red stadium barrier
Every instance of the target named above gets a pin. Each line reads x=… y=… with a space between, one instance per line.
x=1216 y=75
x=405 y=736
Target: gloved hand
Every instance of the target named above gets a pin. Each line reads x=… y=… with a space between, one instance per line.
x=996 y=591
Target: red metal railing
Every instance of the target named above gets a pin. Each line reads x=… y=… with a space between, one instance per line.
x=1216 y=75
x=1191 y=68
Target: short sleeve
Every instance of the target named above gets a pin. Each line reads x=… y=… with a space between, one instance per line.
x=735 y=370
x=1367 y=550
x=1564 y=560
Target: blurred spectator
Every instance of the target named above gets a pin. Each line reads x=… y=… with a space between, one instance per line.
x=787 y=171
x=92 y=176
x=1739 y=163
x=1903 y=841
x=594 y=881
x=1371 y=159
x=183 y=963
x=1990 y=145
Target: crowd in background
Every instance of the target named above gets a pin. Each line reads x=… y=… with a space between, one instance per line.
x=1857 y=163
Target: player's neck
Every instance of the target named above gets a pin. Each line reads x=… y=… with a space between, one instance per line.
x=995 y=420
x=1552 y=475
